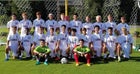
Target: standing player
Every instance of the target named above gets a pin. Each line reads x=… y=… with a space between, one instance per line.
x=26 y=41
x=25 y=23
x=38 y=22
x=97 y=41
x=42 y=52
x=13 y=22
x=63 y=21
x=73 y=41
x=110 y=23
x=88 y=25
x=62 y=41
x=121 y=25
x=81 y=51
x=76 y=24
x=109 y=44
x=13 y=43
x=51 y=41
x=100 y=24
x=50 y=23
x=125 y=43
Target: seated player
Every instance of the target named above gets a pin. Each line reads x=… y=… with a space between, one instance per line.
x=13 y=43
x=109 y=44
x=82 y=51
x=42 y=52
x=125 y=43
x=26 y=41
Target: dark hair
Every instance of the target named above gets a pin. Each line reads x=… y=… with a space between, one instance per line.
x=84 y=29
x=74 y=30
x=96 y=26
x=52 y=28
x=13 y=14
x=110 y=28
x=63 y=26
x=38 y=13
x=81 y=40
x=42 y=40
x=75 y=14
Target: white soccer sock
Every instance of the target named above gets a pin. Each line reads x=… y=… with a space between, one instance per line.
x=7 y=56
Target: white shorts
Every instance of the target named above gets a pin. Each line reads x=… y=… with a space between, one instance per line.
x=98 y=51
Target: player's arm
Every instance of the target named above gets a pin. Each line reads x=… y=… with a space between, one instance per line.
x=36 y=50
x=87 y=50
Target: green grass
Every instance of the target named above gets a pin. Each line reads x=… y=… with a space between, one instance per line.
x=29 y=67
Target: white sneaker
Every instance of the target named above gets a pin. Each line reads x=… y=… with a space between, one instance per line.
x=119 y=59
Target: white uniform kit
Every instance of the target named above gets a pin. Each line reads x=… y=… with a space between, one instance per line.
x=89 y=27
x=13 y=42
x=51 y=24
x=37 y=38
x=12 y=23
x=125 y=41
x=86 y=39
x=76 y=25
x=110 y=41
x=23 y=25
x=37 y=23
x=26 y=41
x=101 y=25
x=110 y=24
x=63 y=22
x=122 y=25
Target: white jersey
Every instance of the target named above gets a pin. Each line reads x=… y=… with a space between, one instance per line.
x=51 y=24
x=37 y=38
x=89 y=27
x=110 y=24
x=23 y=24
x=76 y=25
x=110 y=40
x=86 y=39
x=63 y=38
x=122 y=25
x=125 y=40
x=101 y=25
x=26 y=40
x=12 y=23
x=63 y=22
x=73 y=41
x=51 y=40
x=97 y=39
x=37 y=23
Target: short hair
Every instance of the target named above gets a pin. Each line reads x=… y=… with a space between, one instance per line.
x=84 y=29
x=98 y=16
x=13 y=14
x=38 y=13
x=62 y=14
x=24 y=13
x=42 y=40
x=96 y=26
x=110 y=28
x=14 y=27
x=81 y=40
x=52 y=28
x=75 y=14
x=123 y=17
x=74 y=30
x=123 y=28
x=63 y=26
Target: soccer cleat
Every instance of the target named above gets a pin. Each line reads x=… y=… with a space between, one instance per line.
x=77 y=64
x=88 y=64
x=119 y=59
x=46 y=63
x=37 y=63
x=6 y=59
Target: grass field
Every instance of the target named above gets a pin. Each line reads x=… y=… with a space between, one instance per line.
x=28 y=67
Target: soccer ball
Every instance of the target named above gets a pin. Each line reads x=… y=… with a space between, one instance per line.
x=64 y=61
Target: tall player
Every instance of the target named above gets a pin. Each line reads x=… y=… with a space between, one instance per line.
x=125 y=43
x=13 y=22
x=88 y=25
x=38 y=22
x=25 y=23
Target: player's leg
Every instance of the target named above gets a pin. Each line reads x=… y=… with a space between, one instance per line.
x=87 y=56
x=27 y=50
x=46 y=59
x=20 y=51
x=118 y=52
x=32 y=51
x=58 y=53
x=37 y=58
x=76 y=57
x=126 y=51
x=7 y=49
x=104 y=50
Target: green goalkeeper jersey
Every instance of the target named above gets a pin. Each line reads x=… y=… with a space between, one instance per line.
x=84 y=49
x=40 y=49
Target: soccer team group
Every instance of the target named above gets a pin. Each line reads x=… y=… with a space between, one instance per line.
x=70 y=39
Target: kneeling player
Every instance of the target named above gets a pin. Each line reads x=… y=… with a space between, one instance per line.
x=125 y=42
x=42 y=51
x=82 y=51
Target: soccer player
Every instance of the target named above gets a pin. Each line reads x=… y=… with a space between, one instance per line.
x=26 y=41
x=110 y=23
x=25 y=23
x=13 y=43
x=51 y=41
x=51 y=23
x=13 y=22
x=125 y=43
x=121 y=25
x=100 y=24
x=38 y=22
x=88 y=25
x=36 y=39
x=41 y=52
x=109 y=44
x=73 y=41
x=76 y=24
x=62 y=41
x=81 y=51
x=63 y=21
x=96 y=41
